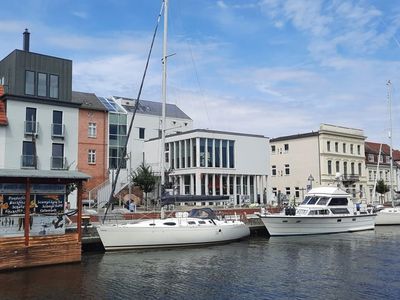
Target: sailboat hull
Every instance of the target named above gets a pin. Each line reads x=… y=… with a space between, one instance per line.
x=170 y=233
x=388 y=216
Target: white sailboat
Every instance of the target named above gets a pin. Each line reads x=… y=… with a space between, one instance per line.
x=198 y=227
x=389 y=215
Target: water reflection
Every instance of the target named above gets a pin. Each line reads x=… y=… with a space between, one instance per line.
x=339 y=266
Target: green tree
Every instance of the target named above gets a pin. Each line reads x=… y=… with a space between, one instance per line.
x=381 y=187
x=144 y=177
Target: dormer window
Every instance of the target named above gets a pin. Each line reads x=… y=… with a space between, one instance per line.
x=29 y=83
x=54 y=86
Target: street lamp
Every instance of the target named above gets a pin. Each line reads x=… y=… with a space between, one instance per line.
x=310 y=180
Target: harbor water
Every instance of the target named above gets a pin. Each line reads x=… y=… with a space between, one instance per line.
x=362 y=265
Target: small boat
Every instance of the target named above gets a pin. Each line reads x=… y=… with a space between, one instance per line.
x=388 y=216
x=324 y=210
x=200 y=226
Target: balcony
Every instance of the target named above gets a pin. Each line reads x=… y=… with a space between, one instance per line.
x=29 y=161
x=31 y=128
x=57 y=130
x=350 y=178
x=58 y=163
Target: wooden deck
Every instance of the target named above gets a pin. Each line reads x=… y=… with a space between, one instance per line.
x=46 y=250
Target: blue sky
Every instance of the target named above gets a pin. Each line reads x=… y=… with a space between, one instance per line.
x=269 y=67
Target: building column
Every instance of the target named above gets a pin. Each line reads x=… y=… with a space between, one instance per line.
x=192 y=177
x=198 y=152
x=213 y=185
x=234 y=189
x=206 y=184
x=198 y=183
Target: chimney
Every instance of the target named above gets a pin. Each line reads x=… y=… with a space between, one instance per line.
x=26 y=40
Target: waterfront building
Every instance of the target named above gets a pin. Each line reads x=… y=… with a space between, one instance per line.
x=214 y=163
x=377 y=160
x=41 y=132
x=92 y=140
x=299 y=162
x=147 y=125
x=38 y=160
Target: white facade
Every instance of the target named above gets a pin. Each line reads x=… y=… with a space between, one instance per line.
x=207 y=162
x=314 y=159
x=14 y=135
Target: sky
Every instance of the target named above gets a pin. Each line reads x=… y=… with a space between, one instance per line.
x=269 y=67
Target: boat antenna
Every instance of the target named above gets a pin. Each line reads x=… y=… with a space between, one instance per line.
x=164 y=96
x=389 y=84
x=114 y=183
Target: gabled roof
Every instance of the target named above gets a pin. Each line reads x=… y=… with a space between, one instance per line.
x=373 y=148
x=3 y=115
x=154 y=108
x=88 y=101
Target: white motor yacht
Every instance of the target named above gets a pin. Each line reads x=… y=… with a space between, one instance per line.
x=324 y=210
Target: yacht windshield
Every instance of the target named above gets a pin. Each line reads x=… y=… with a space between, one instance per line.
x=306 y=199
x=323 y=201
x=338 y=201
x=313 y=200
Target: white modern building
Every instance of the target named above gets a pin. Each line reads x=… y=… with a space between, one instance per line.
x=301 y=161
x=214 y=163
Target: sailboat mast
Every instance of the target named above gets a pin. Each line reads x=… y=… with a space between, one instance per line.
x=164 y=95
x=389 y=84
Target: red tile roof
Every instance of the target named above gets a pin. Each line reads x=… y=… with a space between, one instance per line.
x=3 y=115
x=373 y=148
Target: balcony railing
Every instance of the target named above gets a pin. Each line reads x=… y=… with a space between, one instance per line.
x=58 y=163
x=58 y=130
x=351 y=178
x=31 y=127
x=29 y=161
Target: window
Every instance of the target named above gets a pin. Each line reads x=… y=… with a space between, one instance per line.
x=360 y=169
x=370 y=157
x=286 y=147
x=57 y=126
x=370 y=175
x=297 y=192
x=29 y=83
x=344 y=147
x=28 y=155
x=328 y=146
x=287 y=190
x=141 y=133
x=210 y=152
x=381 y=158
x=273 y=170
x=329 y=167
x=231 y=154
x=345 y=168
x=337 y=166
x=92 y=130
x=336 y=147
x=224 y=153
x=42 y=84
x=217 y=144
x=358 y=149
x=91 y=156
x=273 y=149
x=352 y=168
x=202 y=152
x=275 y=191
x=57 y=158
x=54 y=86
x=30 y=120
x=351 y=148
x=287 y=170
